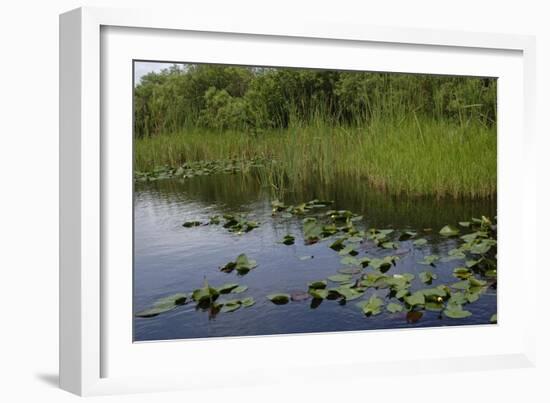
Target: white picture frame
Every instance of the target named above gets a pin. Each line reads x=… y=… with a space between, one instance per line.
x=96 y=354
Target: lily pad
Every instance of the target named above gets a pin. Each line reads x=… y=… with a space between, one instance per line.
x=230 y=306
x=372 y=307
x=461 y=285
x=338 y=244
x=427 y=277
x=279 y=299
x=350 y=270
x=340 y=278
x=190 y=224
x=493 y=318
x=429 y=260
x=420 y=242
x=205 y=295
x=163 y=305
x=449 y=231
x=455 y=311
x=350 y=260
x=349 y=293
x=394 y=307
x=462 y=273
x=227 y=288
x=317 y=285
x=318 y=293
x=239 y=289
x=288 y=240
x=246 y=302
x=416 y=298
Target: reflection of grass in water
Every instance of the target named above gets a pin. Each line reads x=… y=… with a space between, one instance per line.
x=425 y=157
x=240 y=191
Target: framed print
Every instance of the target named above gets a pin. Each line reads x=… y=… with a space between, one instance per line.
x=264 y=195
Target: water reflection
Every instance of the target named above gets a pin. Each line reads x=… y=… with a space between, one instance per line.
x=169 y=258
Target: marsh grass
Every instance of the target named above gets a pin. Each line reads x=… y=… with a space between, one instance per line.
x=415 y=156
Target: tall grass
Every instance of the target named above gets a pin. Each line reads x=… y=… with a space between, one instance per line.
x=415 y=156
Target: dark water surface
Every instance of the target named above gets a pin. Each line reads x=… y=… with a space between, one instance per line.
x=169 y=258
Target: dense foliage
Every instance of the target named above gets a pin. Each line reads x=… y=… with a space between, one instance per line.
x=254 y=99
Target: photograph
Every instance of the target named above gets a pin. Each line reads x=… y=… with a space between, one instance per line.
x=283 y=200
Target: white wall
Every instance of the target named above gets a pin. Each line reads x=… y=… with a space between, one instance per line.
x=29 y=186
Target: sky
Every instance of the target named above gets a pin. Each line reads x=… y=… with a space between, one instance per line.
x=142 y=68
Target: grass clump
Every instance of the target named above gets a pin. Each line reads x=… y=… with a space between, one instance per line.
x=413 y=157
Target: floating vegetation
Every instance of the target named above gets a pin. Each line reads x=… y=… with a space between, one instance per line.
x=288 y=240
x=164 y=305
x=206 y=297
x=427 y=277
x=200 y=168
x=237 y=223
x=371 y=307
x=242 y=265
x=190 y=224
x=365 y=266
x=279 y=299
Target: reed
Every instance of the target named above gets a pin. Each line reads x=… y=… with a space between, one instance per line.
x=416 y=156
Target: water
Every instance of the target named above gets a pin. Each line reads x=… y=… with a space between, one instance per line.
x=169 y=258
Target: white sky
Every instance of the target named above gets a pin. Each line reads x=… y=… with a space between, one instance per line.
x=142 y=68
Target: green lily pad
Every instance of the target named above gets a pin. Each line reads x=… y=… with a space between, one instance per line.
x=432 y=293
x=279 y=299
x=394 y=307
x=340 y=278
x=420 y=242
x=318 y=293
x=371 y=307
x=457 y=298
x=349 y=293
x=226 y=288
x=493 y=318
x=427 y=277
x=350 y=260
x=338 y=244
x=230 y=306
x=205 y=295
x=163 y=305
x=455 y=311
x=383 y=264
x=348 y=250
x=449 y=230
x=317 y=285
x=429 y=260
x=350 y=270
x=190 y=224
x=239 y=289
x=416 y=298
x=248 y=301
x=462 y=273
x=288 y=240
x=461 y=285
x=242 y=264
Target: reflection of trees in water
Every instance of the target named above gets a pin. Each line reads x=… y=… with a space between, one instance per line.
x=238 y=192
